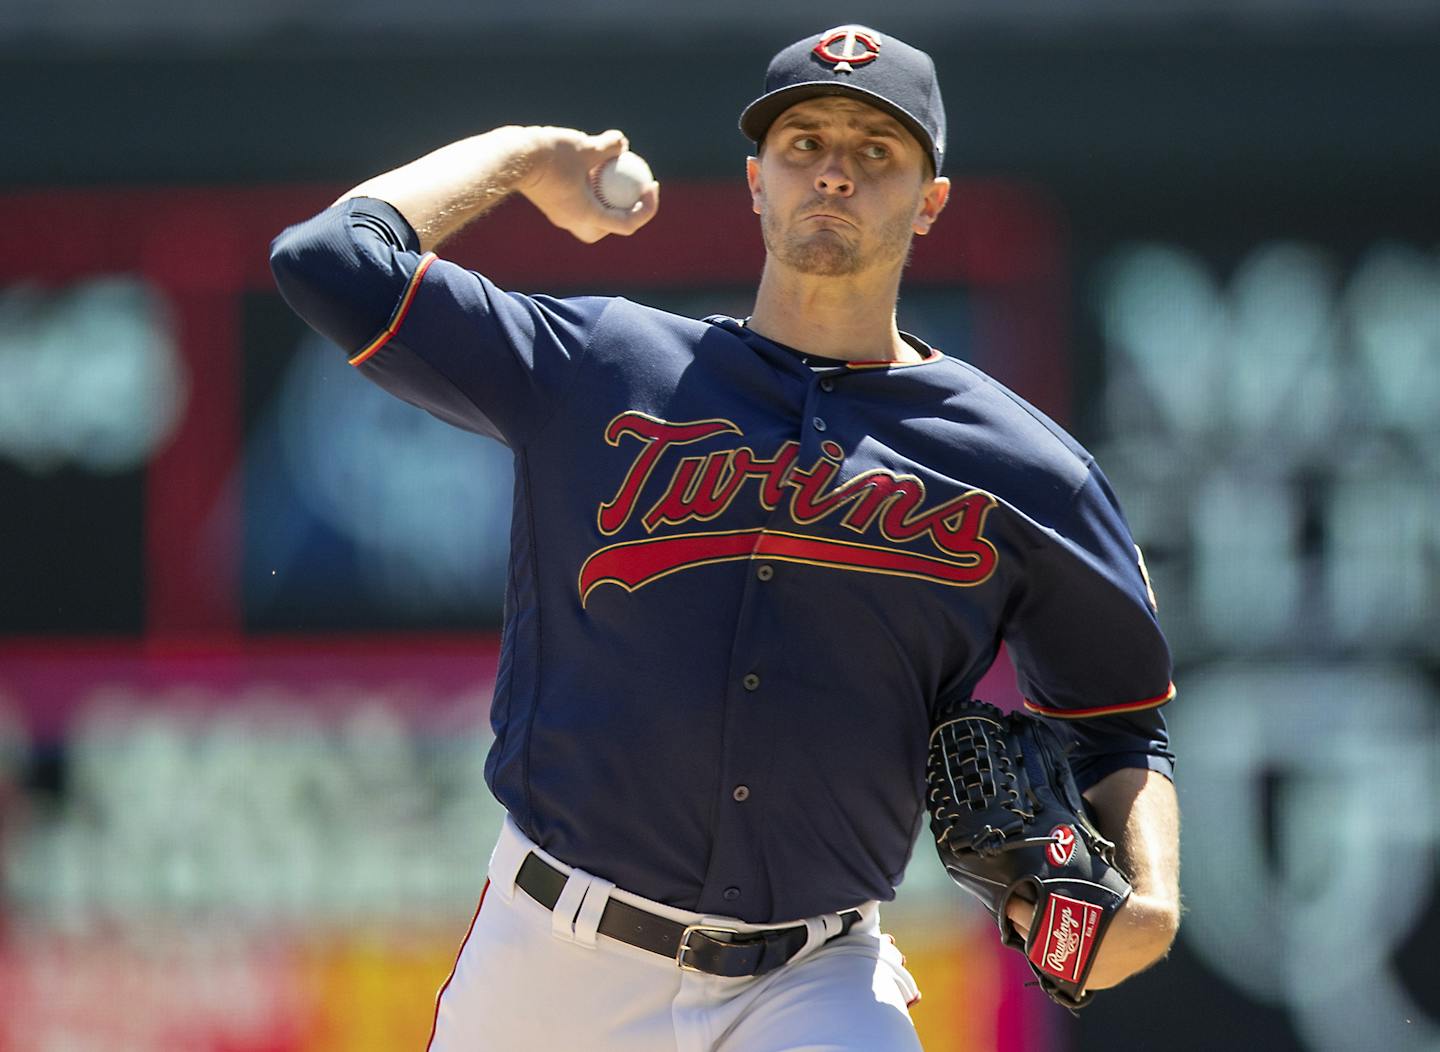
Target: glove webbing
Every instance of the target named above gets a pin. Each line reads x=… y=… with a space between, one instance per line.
x=987 y=776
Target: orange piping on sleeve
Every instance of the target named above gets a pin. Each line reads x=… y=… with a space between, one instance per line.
x=398 y=318
x=1103 y=710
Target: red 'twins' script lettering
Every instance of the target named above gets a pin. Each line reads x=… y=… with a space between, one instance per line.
x=700 y=488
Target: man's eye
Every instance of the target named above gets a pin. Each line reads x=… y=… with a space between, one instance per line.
x=805 y=142
x=875 y=152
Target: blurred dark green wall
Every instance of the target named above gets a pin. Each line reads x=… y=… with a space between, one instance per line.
x=1149 y=117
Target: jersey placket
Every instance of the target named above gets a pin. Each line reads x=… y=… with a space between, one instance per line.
x=748 y=749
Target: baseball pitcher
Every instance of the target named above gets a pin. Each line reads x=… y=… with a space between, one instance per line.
x=758 y=566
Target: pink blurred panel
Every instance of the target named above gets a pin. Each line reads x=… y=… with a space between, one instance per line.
x=204 y=989
x=52 y=681
x=998 y=685
x=171 y=991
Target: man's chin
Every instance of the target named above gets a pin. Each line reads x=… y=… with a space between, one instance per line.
x=822 y=257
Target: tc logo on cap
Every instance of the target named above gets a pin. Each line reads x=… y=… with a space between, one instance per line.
x=857 y=47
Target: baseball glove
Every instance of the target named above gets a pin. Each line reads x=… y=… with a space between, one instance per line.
x=1009 y=821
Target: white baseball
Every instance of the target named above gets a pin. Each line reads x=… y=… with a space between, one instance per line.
x=619 y=182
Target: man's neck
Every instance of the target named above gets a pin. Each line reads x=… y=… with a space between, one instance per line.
x=852 y=318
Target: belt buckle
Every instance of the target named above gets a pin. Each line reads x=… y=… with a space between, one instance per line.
x=691 y=929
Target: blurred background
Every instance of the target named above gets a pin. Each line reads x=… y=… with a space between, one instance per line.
x=249 y=606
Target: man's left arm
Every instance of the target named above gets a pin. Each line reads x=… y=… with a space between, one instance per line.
x=1091 y=659
x=1138 y=810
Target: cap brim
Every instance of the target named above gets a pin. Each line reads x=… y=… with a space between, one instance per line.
x=755 y=121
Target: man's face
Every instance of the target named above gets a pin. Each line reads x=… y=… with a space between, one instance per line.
x=841 y=187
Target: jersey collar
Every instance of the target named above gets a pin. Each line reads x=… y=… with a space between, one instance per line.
x=738 y=327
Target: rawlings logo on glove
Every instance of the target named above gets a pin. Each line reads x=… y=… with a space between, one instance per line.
x=1009 y=821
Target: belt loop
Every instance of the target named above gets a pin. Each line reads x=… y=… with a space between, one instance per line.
x=587 y=921
x=562 y=920
x=818 y=931
x=506 y=859
x=816 y=934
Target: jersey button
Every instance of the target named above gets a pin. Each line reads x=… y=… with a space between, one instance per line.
x=819 y=424
x=741 y=793
x=730 y=894
x=751 y=681
x=827 y=385
x=765 y=573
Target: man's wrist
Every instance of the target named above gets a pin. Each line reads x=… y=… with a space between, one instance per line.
x=528 y=148
x=535 y=150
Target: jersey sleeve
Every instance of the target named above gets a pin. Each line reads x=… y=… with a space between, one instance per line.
x=1086 y=643
x=439 y=336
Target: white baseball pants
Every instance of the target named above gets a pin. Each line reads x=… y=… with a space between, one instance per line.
x=528 y=978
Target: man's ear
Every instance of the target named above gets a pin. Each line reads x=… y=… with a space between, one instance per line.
x=752 y=176
x=931 y=204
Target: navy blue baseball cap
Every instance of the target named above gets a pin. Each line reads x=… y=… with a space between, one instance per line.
x=857 y=61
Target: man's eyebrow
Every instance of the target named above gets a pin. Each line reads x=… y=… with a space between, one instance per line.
x=890 y=129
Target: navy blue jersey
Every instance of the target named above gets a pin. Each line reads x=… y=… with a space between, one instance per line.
x=741 y=584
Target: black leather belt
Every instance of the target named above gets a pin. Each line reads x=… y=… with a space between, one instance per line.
x=694 y=947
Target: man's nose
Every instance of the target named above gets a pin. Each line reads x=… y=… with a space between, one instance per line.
x=834 y=178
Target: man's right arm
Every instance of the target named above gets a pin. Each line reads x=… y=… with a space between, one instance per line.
x=339 y=274
x=445 y=190
x=439 y=336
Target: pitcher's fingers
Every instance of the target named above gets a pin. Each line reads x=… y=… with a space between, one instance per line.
x=606 y=145
x=1021 y=914
x=642 y=211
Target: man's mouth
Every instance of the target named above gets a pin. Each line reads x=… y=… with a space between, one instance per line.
x=837 y=217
